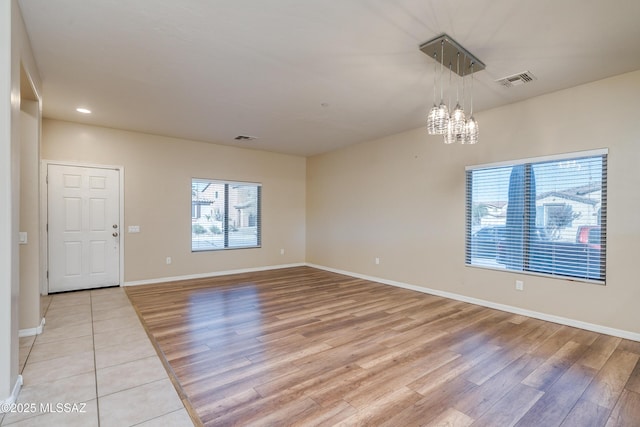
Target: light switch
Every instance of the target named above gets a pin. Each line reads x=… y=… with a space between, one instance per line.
x=134 y=229
x=23 y=237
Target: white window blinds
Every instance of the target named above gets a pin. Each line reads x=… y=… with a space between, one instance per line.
x=544 y=216
x=224 y=215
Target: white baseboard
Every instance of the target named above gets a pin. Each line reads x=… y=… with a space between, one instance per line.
x=32 y=331
x=14 y=394
x=212 y=274
x=634 y=336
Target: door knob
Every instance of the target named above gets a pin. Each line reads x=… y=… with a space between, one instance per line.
x=115 y=225
x=115 y=234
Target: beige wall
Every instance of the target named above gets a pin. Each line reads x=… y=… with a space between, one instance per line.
x=30 y=272
x=14 y=51
x=157 y=187
x=420 y=240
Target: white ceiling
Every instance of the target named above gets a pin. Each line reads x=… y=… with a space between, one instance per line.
x=307 y=76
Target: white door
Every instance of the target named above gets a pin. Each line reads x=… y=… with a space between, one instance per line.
x=84 y=227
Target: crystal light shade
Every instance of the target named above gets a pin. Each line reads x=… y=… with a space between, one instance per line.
x=471 y=131
x=457 y=123
x=442 y=120
x=438 y=119
x=449 y=137
x=431 y=120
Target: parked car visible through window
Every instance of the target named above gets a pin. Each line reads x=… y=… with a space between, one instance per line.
x=589 y=235
x=484 y=243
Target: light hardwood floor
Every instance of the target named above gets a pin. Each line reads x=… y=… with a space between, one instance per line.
x=302 y=346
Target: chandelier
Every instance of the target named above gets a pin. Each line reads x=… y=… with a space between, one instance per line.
x=453 y=123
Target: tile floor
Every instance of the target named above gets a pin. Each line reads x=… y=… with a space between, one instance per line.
x=95 y=353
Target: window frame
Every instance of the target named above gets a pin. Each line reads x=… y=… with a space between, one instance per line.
x=528 y=162
x=226 y=213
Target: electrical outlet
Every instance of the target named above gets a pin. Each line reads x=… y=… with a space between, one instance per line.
x=281 y=251
x=377 y=260
x=168 y=260
x=519 y=285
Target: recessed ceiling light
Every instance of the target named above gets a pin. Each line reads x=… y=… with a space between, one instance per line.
x=83 y=110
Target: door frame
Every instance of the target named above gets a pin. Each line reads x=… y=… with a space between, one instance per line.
x=44 y=210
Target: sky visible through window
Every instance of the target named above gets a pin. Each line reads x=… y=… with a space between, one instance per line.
x=492 y=184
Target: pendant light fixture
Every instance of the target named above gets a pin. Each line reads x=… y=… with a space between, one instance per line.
x=442 y=115
x=458 y=119
x=471 y=125
x=449 y=137
x=455 y=127
x=433 y=113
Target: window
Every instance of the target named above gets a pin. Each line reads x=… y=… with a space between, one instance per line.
x=224 y=215
x=543 y=216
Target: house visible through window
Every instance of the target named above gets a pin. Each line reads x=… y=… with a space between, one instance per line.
x=544 y=216
x=224 y=215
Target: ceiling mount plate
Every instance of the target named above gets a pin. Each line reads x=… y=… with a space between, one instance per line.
x=433 y=49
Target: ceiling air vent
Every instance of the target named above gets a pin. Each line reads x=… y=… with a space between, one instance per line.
x=517 y=79
x=245 y=138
